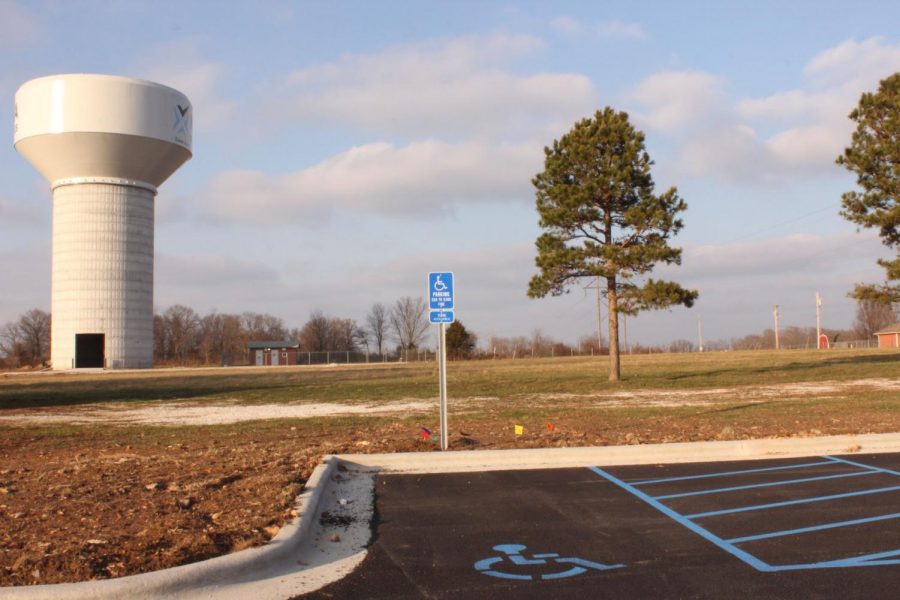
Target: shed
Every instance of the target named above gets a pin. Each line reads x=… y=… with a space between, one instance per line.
x=273 y=353
x=889 y=337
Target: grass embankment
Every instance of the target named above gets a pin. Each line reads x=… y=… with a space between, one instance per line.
x=500 y=379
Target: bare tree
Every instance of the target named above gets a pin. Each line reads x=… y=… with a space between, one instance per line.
x=260 y=327
x=9 y=345
x=209 y=338
x=220 y=338
x=681 y=345
x=273 y=327
x=409 y=322
x=160 y=342
x=234 y=338
x=35 y=330
x=514 y=347
x=182 y=328
x=541 y=344
x=315 y=335
x=587 y=344
x=871 y=316
x=27 y=341
x=343 y=334
x=378 y=325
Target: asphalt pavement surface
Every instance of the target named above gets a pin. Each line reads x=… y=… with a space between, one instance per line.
x=817 y=527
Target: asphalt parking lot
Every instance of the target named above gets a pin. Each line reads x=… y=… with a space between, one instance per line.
x=817 y=527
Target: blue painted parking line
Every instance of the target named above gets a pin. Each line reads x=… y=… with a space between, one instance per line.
x=759 y=485
x=888 y=557
x=726 y=473
x=765 y=536
x=866 y=560
x=714 y=513
x=730 y=548
x=856 y=464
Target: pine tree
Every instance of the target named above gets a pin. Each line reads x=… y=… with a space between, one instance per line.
x=874 y=155
x=460 y=343
x=601 y=219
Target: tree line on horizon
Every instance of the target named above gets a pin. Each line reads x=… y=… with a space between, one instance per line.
x=182 y=336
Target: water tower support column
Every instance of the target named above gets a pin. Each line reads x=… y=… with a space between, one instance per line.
x=102 y=281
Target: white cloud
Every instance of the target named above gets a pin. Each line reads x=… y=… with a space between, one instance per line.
x=792 y=105
x=805 y=129
x=18 y=27
x=672 y=100
x=417 y=180
x=730 y=152
x=453 y=88
x=857 y=65
x=180 y=66
x=812 y=148
x=836 y=79
x=614 y=28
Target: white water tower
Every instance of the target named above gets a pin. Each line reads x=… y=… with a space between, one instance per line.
x=105 y=144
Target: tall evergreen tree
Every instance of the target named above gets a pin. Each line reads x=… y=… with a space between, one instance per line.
x=874 y=156
x=601 y=218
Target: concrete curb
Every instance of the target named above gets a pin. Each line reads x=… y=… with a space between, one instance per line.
x=542 y=458
x=204 y=578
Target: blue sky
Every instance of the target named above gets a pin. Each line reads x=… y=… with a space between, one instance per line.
x=344 y=149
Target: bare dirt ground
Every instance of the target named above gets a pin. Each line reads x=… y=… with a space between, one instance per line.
x=105 y=500
x=221 y=413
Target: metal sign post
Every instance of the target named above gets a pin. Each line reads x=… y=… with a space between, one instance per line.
x=442 y=370
x=440 y=300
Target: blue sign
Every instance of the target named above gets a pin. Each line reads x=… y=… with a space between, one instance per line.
x=441 y=316
x=440 y=292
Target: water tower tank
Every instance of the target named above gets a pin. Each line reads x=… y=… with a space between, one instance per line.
x=105 y=144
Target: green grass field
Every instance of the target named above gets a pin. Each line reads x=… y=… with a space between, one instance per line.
x=507 y=380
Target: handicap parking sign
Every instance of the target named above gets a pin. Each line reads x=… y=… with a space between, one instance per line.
x=440 y=291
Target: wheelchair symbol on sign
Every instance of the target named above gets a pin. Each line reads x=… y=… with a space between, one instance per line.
x=439 y=286
x=514 y=555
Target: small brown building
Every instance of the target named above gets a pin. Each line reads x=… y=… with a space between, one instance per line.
x=889 y=337
x=273 y=353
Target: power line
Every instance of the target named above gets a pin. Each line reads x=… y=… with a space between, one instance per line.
x=769 y=228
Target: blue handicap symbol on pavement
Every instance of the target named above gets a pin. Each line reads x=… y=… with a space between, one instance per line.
x=514 y=555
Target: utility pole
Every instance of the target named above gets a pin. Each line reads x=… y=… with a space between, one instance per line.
x=625 y=331
x=775 y=312
x=599 y=316
x=700 y=331
x=818 y=320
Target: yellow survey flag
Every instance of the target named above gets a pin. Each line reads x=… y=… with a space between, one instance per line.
x=519 y=430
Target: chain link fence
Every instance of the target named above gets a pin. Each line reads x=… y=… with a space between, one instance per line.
x=346 y=357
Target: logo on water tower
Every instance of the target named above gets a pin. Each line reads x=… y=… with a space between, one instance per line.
x=183 y=124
